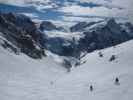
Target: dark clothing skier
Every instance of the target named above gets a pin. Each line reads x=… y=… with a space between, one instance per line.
x=91 y=88
x=117 y=81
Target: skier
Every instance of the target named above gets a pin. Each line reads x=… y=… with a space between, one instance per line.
x=91 y=88
x=117 y=81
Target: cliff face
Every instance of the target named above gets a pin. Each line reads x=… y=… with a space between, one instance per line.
x=22 y=32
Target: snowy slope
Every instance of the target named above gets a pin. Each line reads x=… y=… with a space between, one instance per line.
x=22 y=78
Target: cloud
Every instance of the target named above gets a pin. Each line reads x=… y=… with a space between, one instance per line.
x=105 y=8
x=77 y=10
x=14 y=2
x=108 y=8
x=81 y=19
x=37 y=3
x=128 y=6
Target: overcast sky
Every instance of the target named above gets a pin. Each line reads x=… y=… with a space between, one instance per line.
x=108 y=8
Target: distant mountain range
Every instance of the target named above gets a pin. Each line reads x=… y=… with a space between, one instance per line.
x=26 y=36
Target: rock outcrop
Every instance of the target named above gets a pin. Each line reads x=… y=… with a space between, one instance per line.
x=22 y=32
x=102 y=36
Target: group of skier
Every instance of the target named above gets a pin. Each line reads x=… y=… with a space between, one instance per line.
x=91 y=88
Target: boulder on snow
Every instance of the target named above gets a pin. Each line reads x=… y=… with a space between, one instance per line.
x=67 y=65
x=112 y=58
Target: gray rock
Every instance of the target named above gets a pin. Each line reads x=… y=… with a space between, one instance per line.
x=22 y=32
x=47 y=25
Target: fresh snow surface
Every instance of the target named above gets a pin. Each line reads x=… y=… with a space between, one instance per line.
x=22 y=78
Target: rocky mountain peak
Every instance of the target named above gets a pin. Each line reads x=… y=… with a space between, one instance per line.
x=22 y=32
x=113 y=26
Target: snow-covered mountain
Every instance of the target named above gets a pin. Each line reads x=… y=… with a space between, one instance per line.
x=34 y=38
x=24 y=78
x=66 y=50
